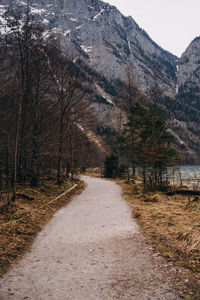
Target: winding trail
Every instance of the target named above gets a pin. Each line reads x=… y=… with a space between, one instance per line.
x=91 y=249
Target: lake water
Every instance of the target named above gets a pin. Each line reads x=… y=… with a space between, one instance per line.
x=183 y=175
x=187 y=175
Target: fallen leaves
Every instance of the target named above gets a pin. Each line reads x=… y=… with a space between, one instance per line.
x=24 y=218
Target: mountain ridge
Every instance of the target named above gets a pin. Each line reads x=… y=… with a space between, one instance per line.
x=108 y=42
x=106 y=39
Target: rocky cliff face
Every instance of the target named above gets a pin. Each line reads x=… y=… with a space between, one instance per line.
x=189 y=66
x=189 y=75
x=186 y=111
x=106 y=39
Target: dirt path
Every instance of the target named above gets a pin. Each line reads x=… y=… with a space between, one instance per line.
x=92 y=249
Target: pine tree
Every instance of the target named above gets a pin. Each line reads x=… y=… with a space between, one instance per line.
x=149 y=142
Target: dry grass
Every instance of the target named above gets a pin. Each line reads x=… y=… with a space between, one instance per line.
x=93 y=174
x=172 y=225
x=25 y=218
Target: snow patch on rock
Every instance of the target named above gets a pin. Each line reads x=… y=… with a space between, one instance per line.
x=105 y=96
x=73 y=19
x=98 y=15
x=86 y=49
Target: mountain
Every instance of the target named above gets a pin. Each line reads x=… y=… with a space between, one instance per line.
x=108 y=42
x=189 y=70
x=106 y=39
x=188 y=97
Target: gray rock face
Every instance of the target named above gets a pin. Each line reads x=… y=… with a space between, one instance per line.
x=106 y=39
x=187 y=110
x=189 y=66
x=189 y=77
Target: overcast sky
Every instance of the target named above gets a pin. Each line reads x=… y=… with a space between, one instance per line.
x=172 y=24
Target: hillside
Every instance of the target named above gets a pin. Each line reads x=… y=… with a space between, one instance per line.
x=108 y=42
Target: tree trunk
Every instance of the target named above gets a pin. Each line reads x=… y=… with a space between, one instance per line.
x=7 y=173
x=67 y=170
x=133 y=166
x=144 y=176
x=17 y=137
x=34 y=171
x=128 y=175
x=72 y=153
x=59 y=169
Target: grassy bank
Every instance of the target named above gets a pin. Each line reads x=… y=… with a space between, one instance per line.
x=27 y=216
x=172 y=226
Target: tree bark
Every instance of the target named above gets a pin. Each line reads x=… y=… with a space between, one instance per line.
x=59 y=169
x=17 y=137
x=34 y=171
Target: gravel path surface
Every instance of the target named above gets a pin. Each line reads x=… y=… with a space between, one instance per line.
x=92 y=249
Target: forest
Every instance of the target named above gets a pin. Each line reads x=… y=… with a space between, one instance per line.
x=44 y=108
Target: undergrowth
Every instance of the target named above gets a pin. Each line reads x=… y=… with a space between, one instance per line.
x=25 y=217
x=172 y=226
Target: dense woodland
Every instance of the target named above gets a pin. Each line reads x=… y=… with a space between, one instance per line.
x=44 y=108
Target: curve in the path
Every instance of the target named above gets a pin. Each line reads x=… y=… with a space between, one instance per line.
x=92 y=249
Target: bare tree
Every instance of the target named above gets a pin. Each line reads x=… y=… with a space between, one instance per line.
x=24 y=43
x=69 y=91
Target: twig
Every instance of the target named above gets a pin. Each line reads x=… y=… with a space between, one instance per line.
x=188 y=203
x=46 y=204
x=61 y=195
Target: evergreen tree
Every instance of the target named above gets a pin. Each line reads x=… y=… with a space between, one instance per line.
x=148 y=143
x=111 y=166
